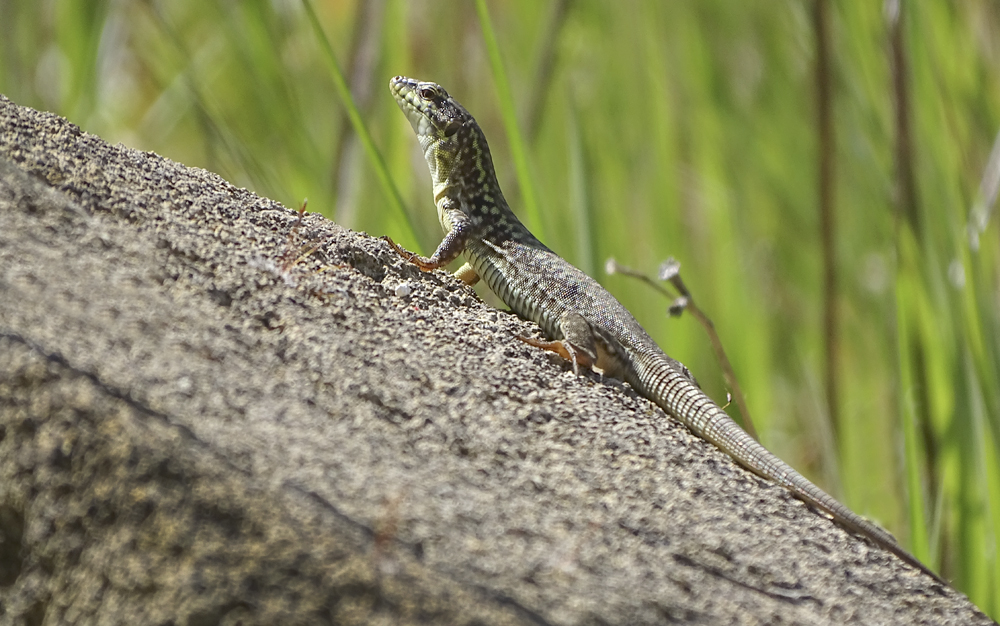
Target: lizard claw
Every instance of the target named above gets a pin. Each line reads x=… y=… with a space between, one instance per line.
x=562 y=348
x=410 y=257
x=406 y=254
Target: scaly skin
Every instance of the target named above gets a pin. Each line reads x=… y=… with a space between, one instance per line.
x=587 y=324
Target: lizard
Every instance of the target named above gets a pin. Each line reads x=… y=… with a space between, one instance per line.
x=585 y=324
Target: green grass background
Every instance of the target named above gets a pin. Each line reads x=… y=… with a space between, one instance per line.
x=641 y=130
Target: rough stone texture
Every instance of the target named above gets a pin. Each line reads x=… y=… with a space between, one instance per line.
x=200 y=423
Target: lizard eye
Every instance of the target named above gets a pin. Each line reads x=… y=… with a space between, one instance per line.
x=427 y=93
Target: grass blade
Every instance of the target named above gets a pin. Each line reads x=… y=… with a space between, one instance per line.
x=517 y=149
x=409 y=238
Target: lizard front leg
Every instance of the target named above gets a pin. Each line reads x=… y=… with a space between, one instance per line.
x=451 y=246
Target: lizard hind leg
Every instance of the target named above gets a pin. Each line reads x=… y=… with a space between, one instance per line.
x=578 y=345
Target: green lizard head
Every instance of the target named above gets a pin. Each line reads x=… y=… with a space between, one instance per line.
x=434 y=115
x=453 y=144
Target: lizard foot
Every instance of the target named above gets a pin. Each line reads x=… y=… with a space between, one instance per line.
x=564 y=349
x=423 y=263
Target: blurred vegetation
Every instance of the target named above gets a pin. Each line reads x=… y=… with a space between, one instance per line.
x=864 y=328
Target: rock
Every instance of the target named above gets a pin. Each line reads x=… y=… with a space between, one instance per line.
x=214 y=410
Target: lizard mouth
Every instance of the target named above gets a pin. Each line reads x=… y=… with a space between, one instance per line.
x=402 y=87
x=429 y=115
x=404 y=90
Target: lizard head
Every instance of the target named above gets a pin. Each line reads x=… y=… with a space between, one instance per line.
x=452 y=142
x=434 y=115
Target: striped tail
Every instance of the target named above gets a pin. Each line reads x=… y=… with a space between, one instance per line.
x=657 y=378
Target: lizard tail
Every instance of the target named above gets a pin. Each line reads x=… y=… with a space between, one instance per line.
x=680 y=397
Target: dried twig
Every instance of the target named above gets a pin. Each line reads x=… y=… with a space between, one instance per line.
x=670 y=271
